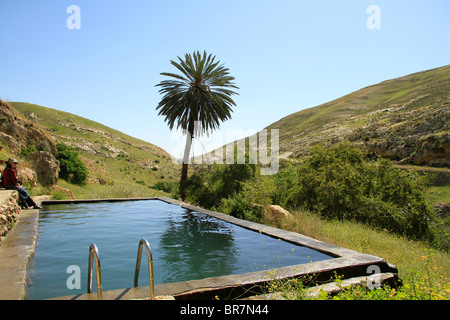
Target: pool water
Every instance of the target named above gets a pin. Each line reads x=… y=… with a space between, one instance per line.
x=185 y=246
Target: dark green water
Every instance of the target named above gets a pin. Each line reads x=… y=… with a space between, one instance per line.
x=185 y=246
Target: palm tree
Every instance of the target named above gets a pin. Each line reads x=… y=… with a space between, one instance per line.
x=198 y=97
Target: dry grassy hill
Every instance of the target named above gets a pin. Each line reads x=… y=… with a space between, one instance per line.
x=405 y=119
x=111 y=157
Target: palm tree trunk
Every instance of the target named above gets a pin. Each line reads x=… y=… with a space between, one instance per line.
x=185 y=165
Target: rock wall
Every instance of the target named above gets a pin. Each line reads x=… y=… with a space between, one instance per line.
x=18 y=133
x=9 y=211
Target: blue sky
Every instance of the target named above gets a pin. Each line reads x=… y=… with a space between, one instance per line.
x=286 y=55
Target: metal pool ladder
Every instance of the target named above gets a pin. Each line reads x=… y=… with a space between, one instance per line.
x=93 y=253
x=150 y=267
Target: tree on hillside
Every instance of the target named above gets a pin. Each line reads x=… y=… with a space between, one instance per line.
x=72 y=169
x=196 y=100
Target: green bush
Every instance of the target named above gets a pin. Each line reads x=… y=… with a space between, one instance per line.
x=239 y=207
x=72 y=169
x=209 y=185
x=25 y=151
x=339 y=183
x=271 y=189
x=166 y=187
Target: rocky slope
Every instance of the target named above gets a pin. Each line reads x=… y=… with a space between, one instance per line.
x=405 y=119
x=17 y=134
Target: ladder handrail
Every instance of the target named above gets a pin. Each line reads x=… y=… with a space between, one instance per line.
x=150 y=267
x=93 y=252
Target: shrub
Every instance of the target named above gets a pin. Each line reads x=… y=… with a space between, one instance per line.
x=237 y=206
x=260 y=190
x=271 y=189
x=164 y=186
x=25 y=151
x=71 y=167
x=339 y=183
x=158 y=186
x=209 y=185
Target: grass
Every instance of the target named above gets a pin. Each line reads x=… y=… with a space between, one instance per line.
x=438 y=194
x=425 y=272
x=96 y=191
x=127 y=165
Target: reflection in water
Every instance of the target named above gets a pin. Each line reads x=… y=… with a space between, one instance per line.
x=196 y=246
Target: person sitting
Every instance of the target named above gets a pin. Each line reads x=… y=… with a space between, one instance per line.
x=11 y=182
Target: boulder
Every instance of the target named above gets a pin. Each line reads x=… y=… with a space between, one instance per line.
x=46 y=167
x=275 y=212
x=27 y=176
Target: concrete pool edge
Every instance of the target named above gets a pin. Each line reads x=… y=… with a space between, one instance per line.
x=244 y=285
x=348 y=263
x=16 y=252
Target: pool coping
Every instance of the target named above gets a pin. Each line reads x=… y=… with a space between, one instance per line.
x=16 y=251
x=346 y=262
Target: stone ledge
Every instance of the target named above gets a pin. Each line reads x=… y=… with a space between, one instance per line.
x=16 y=251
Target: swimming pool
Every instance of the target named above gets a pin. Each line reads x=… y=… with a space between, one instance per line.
x=186 y=245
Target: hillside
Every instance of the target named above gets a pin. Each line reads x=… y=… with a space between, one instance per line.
x=405 y=119
x=111 y=157
x=18 y=133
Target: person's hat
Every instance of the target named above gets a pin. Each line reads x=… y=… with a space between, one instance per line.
x=12 y=160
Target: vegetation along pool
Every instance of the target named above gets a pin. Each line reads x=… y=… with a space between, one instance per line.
x=186 y=245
